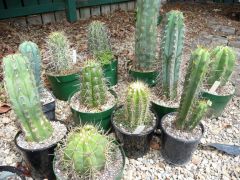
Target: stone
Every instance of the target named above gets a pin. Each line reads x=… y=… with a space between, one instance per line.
x=223 y=30
x=235 y=42
x=34 y=20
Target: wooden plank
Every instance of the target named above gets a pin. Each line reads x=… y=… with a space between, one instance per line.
x=131 y=5
x=2 y=4
x=71 y=10
x=97 y=2
x=13 y=4
x=34 y=20
x=21 y=21
x=45 y=1
x=85 y=13
x=30 y=2
x=78 y=14
x=105 y=9
x=114 y=7
x=48 y=18
x=95 y=11
x=60 y=16
x=123 y=6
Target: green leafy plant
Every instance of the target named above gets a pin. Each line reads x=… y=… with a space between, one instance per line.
x=171 y=53
x=24 y=97
x=105 y=57
x=146 y=34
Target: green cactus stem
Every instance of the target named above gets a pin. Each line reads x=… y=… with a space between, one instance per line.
x=23 y=93
x=146 y=34
x=171 y=53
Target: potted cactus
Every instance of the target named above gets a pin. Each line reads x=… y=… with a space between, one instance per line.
x=181 y=130
x=166 y=93
x=222 y=64
x=87 y=153
x=39 y=136
x=62 y=72
x=99 y=46
x=134 y=123
x=144 y=67
x=93 y=103
x=30 y=50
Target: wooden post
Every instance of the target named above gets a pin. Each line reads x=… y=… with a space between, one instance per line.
x=71 y=10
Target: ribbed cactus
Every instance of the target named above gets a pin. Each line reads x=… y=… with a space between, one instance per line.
x=59 y=52
x=137 y=104
x=146 y=33
x=86 y=150
x=98 y=38
x=171 y=53
x=24 y=97
x=93 y=88
x=222 y=64
x=192 y=108
x=30 y=49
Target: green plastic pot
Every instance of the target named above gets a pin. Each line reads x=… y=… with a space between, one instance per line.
x=110 y=72
x=148 y=77
x=160 y=17
x=162 y=111
x=218 y=103
x=64 y=86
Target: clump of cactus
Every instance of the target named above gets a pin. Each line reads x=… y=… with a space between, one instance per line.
x=59 y=52
x=24 y=97
x=30 y=50
x=87 y=151
x=93 y=88
x=146 y=34
x=192 y=106
x=105 y=57
x=171 y=53
x=137 y=104
x=222 y=64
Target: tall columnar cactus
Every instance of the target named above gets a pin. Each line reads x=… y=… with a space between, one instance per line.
x=222 y=64
x=192 y=108
x=86 y=150
x=137 y=104
x=30 y=49
x=98 y=38
x=59 y=52
x=146 y=33
x=24 y=97
x=171 y=53
x=93 y=87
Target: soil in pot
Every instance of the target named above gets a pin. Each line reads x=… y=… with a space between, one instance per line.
x=39 y=155
x=48 y=104
x=177 y=145
x=11 y=173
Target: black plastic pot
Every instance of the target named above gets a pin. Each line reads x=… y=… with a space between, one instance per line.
x=134 y=145
x=9 y=171
x=49 y=110
x=177 y=151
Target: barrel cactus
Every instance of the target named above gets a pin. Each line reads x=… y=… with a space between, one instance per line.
x=146 y=34
x=93 y=88
x=137 y=104
x=30 y=50
x=171 y=53
x=192 y=107
x=24 y=97
x=222 y=64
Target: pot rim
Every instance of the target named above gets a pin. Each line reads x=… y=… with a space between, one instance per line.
x=155 y=103
x=14 y=170
x=61 y=76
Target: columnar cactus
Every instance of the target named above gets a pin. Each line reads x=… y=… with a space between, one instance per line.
x=222 y=64
x=30 y=49
x=93 y=88
x=192 y=108
x=146 y=33
x=171 y=53
x=24 y=97
x=86 y=150
x=137 y=104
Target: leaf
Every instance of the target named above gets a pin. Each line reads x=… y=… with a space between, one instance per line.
x=4 y=108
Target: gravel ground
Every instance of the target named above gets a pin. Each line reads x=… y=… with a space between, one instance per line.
x=206 y=163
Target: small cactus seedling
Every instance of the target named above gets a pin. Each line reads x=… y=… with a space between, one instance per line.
x=137 y=104
x=23 y=93
x=171 y=53
x=222 y=64
x=30 y=49
x=146 y=34
x=105 y=57
x=192 y=107
x=93 y=88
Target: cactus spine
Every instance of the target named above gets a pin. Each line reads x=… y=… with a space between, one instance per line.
x=222 y=65
x=93 y=87
x=171 y=53
x=137 y=104
x=31 y=50
x=146 y=33
x=192 y=108
x=24 y=97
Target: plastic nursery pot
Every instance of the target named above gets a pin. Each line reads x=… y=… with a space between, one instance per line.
x=219 y=103
x=10 y=172
x=148 y=77
x=64 y=86
x=110 y=72
x=49 y=109
x=134 y=145
x=177 y=151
